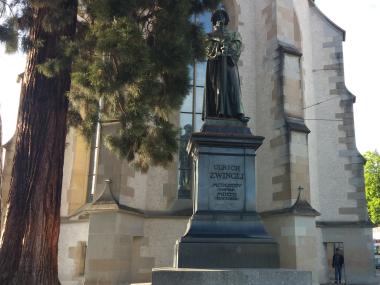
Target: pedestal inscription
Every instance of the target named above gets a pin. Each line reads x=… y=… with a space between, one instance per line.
x=225 y=231
x=226 y=180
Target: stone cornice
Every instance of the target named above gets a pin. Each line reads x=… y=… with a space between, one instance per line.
x=297 y=124
x=288 y=48
x=289 y=211
x=90 y=208
x=344 y=224
x=301 y=209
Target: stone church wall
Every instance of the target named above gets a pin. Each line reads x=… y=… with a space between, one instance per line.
x=340 y=180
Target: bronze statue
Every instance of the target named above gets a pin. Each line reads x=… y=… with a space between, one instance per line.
x=222 y=97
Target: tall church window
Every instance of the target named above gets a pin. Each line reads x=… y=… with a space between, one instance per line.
x=190 y=119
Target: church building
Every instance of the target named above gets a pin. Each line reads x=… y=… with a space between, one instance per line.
x=118 y=223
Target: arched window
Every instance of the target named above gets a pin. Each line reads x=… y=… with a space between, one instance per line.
x=190 y=119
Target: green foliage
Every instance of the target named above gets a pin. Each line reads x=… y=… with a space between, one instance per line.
x=9 y=36
x=17 y=18
x=135 y=55
x=372 y=185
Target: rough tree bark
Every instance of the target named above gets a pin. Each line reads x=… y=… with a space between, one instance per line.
x=1 y=169
x=30 y=242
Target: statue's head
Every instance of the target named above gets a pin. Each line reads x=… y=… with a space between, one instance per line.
x=220 y=17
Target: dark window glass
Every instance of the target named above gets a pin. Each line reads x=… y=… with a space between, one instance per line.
x=191 y=115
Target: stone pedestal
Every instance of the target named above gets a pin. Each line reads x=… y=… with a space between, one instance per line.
x=170 y=276
x=225 y=230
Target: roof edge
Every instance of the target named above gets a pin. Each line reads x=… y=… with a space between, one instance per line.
x=335 y=26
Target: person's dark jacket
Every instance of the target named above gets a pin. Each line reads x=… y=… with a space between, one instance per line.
x=338 y=260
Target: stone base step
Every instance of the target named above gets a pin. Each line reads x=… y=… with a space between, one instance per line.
x=182 y=276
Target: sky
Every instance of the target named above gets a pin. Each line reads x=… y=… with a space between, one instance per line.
x=359 y=18
x=10 y=67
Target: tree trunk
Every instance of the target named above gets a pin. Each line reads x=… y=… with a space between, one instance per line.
x=29 y=254
x=1 y=170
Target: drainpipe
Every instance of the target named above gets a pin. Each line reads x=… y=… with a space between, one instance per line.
x=97 y=147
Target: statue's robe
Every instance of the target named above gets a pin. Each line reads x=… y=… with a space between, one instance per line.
x=222 y=96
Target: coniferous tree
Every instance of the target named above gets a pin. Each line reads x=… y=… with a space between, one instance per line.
x=132 y=53
x=30 y=241
x=135 y=55
x=1 y=167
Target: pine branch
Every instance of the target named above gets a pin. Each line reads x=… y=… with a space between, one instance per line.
x=6 y=5
x=119 y=101
x=144 y=76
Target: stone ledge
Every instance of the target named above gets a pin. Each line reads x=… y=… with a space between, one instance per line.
x=344 y=224
x=175 y=276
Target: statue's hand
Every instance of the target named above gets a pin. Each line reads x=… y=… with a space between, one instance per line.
x=213 y=49
x=225 y=49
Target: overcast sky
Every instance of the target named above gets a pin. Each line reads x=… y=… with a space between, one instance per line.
x=10 y=67
x=360 y=19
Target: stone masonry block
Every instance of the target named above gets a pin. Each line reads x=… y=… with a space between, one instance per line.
x=283 y=195
x=336 y=91
x=332 y=67
x=347 y=153
x=362 y=203
x=281 y=179
x=331 y=45
x=357 y=159
x=335 y=79
x=78 y=254
x=346 y=115
x=345 y=140
x=350 y=211
x=357 y=172
x=108 y=264
x=337 y=56
x=286 y=14
x=355 y=195
x=357 y=182
x=281 y=140
x=272 y=32
x=354 y=166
